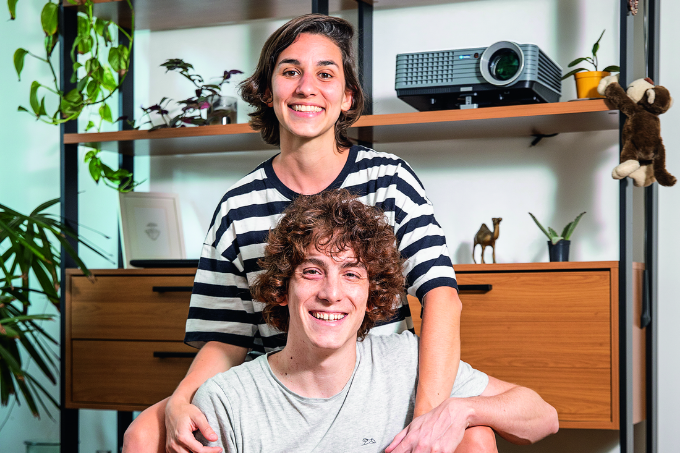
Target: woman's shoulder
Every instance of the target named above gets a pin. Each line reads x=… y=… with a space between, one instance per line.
x=377 y=157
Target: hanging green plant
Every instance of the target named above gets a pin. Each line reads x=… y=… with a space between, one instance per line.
x=30 y=246
x=99 y=69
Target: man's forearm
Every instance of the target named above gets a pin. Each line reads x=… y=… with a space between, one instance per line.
x=439 y=348
x=519 y=414
x=213 y=358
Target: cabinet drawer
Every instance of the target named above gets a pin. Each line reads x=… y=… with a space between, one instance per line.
x=128 y=307
x=126 y=374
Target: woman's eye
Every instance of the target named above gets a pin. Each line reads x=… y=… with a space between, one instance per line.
x=290 y=72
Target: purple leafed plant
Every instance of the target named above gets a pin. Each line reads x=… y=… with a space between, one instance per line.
x=196 y=110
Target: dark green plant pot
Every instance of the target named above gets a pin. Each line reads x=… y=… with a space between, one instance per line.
x=559 y=251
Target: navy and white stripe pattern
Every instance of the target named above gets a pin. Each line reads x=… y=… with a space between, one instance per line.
x=222 y=308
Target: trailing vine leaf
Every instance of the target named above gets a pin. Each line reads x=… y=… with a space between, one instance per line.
x=49 y=18
x=19 y=56
x=12 y=6
x=105 y=113
x=35 y=105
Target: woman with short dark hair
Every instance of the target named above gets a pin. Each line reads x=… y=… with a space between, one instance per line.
x=305 y=94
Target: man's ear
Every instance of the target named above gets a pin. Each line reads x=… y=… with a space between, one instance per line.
x=283 y=301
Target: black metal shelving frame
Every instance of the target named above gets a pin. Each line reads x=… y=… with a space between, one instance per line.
x=69 y=418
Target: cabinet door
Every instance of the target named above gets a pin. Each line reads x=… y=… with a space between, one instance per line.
x=549 y=331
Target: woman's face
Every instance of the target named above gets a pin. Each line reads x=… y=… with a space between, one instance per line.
x=308 y=89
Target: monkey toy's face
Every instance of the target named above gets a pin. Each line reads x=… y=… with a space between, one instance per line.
x=654 y=99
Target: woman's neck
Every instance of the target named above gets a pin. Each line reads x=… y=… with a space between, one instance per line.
x=308 y=167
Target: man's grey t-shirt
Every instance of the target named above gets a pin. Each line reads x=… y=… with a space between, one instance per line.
x=253 y=412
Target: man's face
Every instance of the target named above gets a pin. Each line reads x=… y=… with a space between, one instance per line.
x=327 y=299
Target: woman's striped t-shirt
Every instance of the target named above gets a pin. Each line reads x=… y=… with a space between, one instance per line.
x=222 y=308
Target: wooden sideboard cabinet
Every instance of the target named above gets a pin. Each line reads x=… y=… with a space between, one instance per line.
x=124 y=337
x=552 y=327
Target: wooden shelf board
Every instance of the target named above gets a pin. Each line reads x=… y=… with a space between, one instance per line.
x=177 y=14
x=511 y=121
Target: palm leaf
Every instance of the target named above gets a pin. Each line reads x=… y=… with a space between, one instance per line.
x=31 y=245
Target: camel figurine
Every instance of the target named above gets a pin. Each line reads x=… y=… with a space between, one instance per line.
x=485 y=237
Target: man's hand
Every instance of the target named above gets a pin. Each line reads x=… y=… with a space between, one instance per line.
x=181 y=420
x=439 y=430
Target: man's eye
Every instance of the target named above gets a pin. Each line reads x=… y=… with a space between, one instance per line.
x=353 y=275
x=325 y=75
x=311 y=272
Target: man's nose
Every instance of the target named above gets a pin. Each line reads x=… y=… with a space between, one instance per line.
x=332 y=289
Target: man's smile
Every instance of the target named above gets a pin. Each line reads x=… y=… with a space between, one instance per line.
x=326 y=316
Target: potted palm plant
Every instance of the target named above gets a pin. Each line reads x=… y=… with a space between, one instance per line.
x=587 y=81
x=29 y=268
x=558 y=244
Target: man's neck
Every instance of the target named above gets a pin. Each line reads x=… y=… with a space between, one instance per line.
x=309 y=167
x=314 y=374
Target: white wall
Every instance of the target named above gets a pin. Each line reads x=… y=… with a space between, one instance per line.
x=504 y=178
x=669 y=246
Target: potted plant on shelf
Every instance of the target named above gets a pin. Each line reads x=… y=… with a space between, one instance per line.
x=587 y=81
x=206 y=107
x=558 y=245
x=30 y=268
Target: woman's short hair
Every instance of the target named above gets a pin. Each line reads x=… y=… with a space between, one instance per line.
x=332 y=221
x=253 y=90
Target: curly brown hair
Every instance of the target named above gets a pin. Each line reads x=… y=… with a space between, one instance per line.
x=333 y=221
x=253 y=90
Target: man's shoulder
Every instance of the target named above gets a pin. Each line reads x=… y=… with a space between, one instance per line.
x=394 y=347
x=239 y=379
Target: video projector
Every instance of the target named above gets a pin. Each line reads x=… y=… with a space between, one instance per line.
x=504 y=73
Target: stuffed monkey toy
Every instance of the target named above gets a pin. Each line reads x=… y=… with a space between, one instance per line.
x=643 y=155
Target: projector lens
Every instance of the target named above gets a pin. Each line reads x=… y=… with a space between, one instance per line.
x=504 y=64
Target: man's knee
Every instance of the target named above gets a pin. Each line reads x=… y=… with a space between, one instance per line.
x=478 y=439
x=147 y=432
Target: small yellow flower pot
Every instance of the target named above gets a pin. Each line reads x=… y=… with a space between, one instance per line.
x=587 y=82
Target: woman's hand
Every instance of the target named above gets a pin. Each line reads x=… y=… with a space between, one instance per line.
x=439 y=430
x=181 y=420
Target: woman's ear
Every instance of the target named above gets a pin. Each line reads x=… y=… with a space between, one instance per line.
x=347 y=100
x=268 y=98
x=283 y=301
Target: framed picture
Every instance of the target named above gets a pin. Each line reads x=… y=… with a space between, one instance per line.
x=151 y=226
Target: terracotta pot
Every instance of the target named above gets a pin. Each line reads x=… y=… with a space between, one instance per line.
x=587 y=82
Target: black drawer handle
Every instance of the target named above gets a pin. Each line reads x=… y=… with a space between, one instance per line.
x=174 y=355
x=172 y=289
x=475 y=288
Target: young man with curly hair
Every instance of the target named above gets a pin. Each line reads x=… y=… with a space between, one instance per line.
x=331 y=270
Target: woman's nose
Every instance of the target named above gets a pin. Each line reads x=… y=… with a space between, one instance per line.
x=307 y=84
